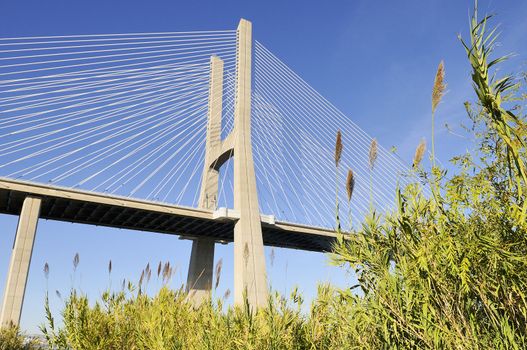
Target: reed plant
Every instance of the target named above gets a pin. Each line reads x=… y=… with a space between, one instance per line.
x=450 y=271
x=12 y=339
x=438 y=91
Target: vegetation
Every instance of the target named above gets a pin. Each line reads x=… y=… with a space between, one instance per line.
x=12 y=339
x=449 y=270
x=446 y=270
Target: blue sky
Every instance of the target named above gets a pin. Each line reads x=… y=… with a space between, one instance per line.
x=375 y=60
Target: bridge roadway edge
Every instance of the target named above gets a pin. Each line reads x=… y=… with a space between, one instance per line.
x=79 y=206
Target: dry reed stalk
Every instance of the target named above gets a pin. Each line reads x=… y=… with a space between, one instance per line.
x=437 y=94
x=338 y=148
x=338 y=155
x=350 y=184
x=219 y=265
x=419 y=153
x=373 y=153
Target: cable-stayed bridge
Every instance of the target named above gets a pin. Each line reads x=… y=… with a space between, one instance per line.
x=206 y=135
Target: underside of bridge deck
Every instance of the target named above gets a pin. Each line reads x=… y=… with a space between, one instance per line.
x=99 y=209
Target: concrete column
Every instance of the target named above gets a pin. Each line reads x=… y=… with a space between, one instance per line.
x=249 y=260
x=199 y=278
x=19 y=264
x=209 y=187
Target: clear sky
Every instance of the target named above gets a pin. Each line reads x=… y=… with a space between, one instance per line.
x=375 y=60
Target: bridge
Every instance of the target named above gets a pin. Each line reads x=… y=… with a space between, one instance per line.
x=206 y=135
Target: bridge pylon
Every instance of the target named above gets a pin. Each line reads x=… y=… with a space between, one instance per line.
x=199 y=279
x=250 y=279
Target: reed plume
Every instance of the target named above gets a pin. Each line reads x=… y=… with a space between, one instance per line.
x=419 y=153
x=219 y=266
x=141 y=279
x=373 y=153
x=372 y=158
x=46 y=274
x=110 y=267
x=439 y=86
x=76 y=260
x=338 y=148
x=227 y=294
x=437 y=94
x=350 y=184
x=166 y=272
x=147 y=267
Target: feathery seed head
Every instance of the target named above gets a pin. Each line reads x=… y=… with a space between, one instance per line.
x=350 y=184
x=439 y=86
x=419 y=153
x=227 y=294
x=219 y=265
x=141 y=278
x=46 y=270
x=373 y=153
x=166 y=272
x=338 y=148
x=76 y=261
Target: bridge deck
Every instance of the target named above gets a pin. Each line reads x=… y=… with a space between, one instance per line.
x=78 y=206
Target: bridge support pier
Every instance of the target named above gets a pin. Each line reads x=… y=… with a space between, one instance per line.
x=199 y=280
x=20 y=261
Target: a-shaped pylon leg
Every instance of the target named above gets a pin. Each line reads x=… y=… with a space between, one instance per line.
x=199 y=279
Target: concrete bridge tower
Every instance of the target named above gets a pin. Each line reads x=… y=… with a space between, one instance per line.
x=249 y=260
